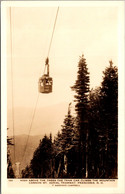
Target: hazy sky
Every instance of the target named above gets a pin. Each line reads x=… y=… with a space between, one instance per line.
x=92 y=31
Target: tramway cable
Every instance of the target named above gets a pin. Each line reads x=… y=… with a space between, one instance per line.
x=45 y=79
x=30 y=127
x=53 y=32
x=11 y=49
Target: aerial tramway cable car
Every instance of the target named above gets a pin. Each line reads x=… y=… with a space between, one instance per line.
x=45 y=82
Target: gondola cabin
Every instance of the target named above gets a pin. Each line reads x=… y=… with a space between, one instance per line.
x=45 y=82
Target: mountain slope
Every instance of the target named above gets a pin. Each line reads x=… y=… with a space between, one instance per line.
x=23 y=153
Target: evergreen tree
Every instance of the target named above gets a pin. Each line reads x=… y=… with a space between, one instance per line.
x=94 y=128
x=10 y=171
x=67 y=132
x=27 y=172
x=57 y=143
x=50 y=136
x=58 y=153
x=66 y=148
x=81 y=87
x=109 y=120
x=41 y=164
x=68 y=144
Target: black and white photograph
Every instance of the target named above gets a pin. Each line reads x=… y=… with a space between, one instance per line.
x=63 y=64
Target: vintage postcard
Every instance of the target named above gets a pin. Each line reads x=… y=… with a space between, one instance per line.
x=62 y=97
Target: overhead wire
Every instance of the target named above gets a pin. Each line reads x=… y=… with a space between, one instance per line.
x=45 y=42
x=30 y=126
x=53 y=31
x=11 y=53
x=38 y=93
x=52 y=35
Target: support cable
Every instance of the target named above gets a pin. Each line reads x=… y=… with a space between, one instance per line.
x=38 y=93
x=30 y=126
x=53 y=32
x=45 y=43
x=11 y=51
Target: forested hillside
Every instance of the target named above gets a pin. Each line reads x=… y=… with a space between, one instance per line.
x=87 y=144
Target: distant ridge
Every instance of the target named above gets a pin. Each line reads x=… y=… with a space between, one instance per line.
x=20 y=142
